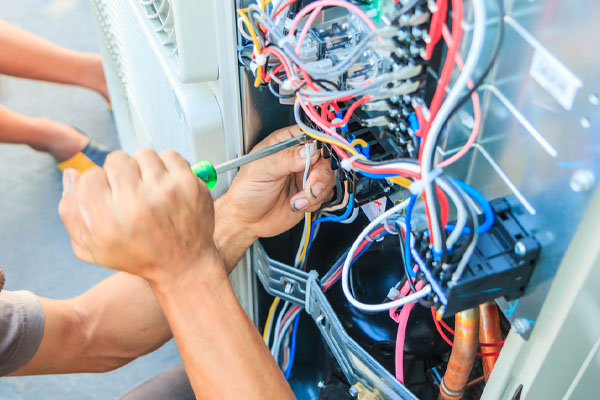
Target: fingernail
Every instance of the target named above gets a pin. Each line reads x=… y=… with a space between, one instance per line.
x=299 y=205
x=313 y=149
x=67 y=181
x=316 y=189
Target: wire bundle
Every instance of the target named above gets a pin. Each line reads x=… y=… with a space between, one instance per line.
x=276 y=54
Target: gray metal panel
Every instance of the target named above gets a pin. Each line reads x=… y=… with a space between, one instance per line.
x=530 y=145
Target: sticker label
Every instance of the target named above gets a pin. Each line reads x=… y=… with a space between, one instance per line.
x=555 y=78
x=375 y=208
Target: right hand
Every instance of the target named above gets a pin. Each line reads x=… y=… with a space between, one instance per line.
x=147 y=215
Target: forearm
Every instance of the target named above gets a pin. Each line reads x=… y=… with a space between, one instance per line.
x=108 y=326
x=231 y=238
x=28 y=56
x=222 y=351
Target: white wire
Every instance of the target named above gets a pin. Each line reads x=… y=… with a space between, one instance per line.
x=469 y=252
x=479 y=15
x=270 y=322
x=461 y=212
x=242 y=29
x=346 y=269
x=276 y=335
x=306 y=220
x=277 y=344
x=302 y=240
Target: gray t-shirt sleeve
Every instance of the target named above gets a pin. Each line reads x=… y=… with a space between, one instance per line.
x=21 y=329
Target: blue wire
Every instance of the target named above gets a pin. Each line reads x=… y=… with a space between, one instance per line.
x=375 y=176
x=407 y=215
x=288 y=371
x=331 y=218
x=488 y=212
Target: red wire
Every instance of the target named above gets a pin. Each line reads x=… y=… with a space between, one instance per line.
x=287 y=316
x=440 y=91
x=435 y=30
x=267 y=78
x=283 y=7
x=350 y=111
x=443 y=335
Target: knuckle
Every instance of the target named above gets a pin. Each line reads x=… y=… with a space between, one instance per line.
x=116 y=157
x=144 y=152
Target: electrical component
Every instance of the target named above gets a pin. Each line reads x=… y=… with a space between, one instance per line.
x=500 y=266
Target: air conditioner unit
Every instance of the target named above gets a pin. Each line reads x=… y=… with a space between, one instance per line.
x=163 y=60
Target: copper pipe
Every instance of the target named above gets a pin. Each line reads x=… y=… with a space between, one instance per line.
x=489 y=332
x=464 y=349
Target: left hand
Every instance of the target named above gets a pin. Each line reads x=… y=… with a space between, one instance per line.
x=147 y=215
x=266 y=196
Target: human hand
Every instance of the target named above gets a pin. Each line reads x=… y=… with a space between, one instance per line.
x=147 y=215
x=266 y=196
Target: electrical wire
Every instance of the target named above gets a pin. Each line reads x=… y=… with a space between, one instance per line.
x=479 y=17
x=288 y=370
x=269 y=322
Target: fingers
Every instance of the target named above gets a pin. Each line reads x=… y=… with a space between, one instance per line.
x=150 y=164
x=69 y=212
x=122 y=171
x=285 y=162
x=174 y=162
x=318 y=188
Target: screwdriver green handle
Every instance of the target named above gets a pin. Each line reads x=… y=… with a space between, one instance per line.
x=207 y=172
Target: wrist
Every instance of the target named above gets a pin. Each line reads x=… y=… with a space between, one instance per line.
x=232 y=236
x=205 y=269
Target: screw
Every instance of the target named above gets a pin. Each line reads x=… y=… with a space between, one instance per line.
x=582 y=180
x=353 y=392
x=594 y=99
x=521 y=326
x=585 y=122
x=520 y=249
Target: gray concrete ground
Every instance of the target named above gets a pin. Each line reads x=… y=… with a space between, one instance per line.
x=34 y=248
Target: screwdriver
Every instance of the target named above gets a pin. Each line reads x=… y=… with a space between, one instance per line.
x=206 y=171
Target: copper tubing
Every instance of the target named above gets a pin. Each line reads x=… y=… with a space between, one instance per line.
x=464 y=349
x=489 y=332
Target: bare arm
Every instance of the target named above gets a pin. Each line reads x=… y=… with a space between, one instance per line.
x=119 y=319
x=220 y=346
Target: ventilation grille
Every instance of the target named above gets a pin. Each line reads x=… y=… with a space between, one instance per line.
x=153 y=106
x=160 y=14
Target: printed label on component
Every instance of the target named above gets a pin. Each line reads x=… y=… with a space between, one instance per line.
x=555 y=77
x=375 y=208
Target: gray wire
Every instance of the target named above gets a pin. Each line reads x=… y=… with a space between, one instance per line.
x=461 y=212
x=479 y=17
x=469 y=252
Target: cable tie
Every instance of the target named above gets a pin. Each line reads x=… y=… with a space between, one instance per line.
x=393 y=293
x=417 y=186
x=260 y=59
x=347 y=163
x=312 y=276
x=287 y=39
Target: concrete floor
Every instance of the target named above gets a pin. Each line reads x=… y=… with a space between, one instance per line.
x=35 y=252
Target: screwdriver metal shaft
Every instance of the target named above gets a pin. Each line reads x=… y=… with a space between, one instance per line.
x=259 y=154
x=206 y=171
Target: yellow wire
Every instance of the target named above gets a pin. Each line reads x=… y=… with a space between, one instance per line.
x=344 y=146
x=308 y=218
x=269 y=317
x=359 y=141
x=401 y=181
x=264 y=4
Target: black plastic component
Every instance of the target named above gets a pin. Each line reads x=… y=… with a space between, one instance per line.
x=500 y=266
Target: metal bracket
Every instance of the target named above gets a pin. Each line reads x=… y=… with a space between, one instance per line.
x=302 y=288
